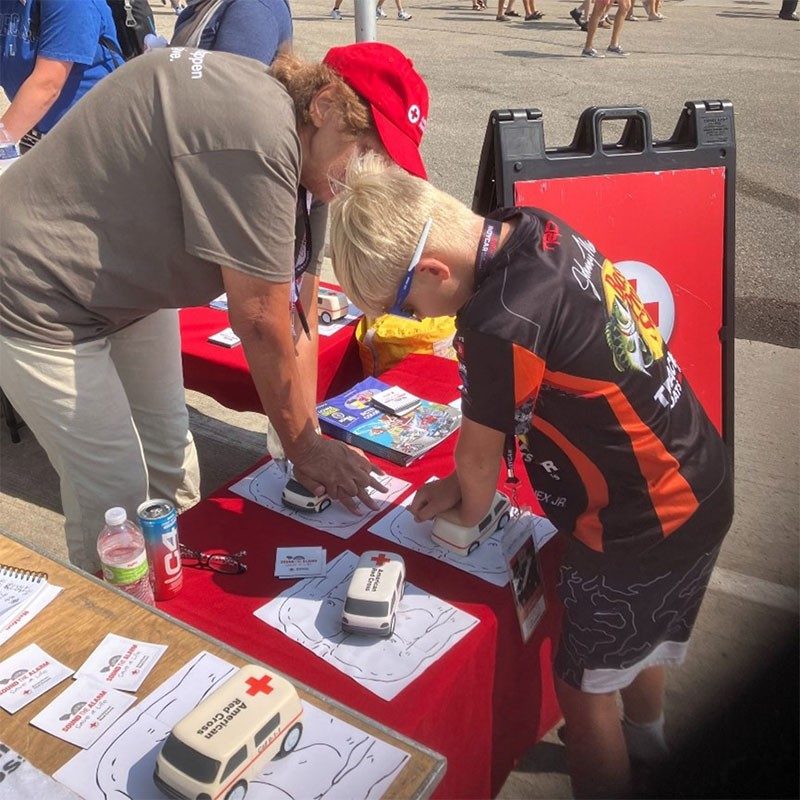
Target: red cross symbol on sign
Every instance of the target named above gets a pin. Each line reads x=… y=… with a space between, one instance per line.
x=380 y=559
x=260 y=685
x=652 y=308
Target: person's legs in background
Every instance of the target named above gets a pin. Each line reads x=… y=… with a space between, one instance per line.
x=788 y=10
x=74 y=403
x=147 y=356
x=402 y=14
x=591 y=28
x=619 y=20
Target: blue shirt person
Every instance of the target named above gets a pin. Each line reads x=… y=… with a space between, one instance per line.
x=252 y=28
x=51 y=53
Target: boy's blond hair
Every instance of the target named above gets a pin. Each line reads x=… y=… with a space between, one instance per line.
x=377 y=217
x=303 y=79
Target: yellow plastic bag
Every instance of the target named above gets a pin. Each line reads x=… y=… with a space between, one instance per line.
x=384 y=341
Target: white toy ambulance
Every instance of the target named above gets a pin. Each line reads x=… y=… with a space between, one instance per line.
x=227 y=740
x=331 y=305
x=296 y=496
x=465 y=540
x=374 y=593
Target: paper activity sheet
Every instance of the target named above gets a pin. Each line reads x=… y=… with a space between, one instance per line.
x=20 y=779
x=338 y=324
x=27 y=675
x=121 y=663
x=265 y=485
x=23 y=616
x=310 y=612
x=82 y=712
x=487 y=562
x=333 y=760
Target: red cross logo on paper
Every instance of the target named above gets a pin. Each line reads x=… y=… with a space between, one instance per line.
x=380 y=559
x=654 y=292
x=93 y=724
x=260 y=686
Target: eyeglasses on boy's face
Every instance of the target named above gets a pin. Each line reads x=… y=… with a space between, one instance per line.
x=218 y=562
x=398 y=307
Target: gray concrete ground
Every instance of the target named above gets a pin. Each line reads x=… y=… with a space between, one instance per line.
x=704 y=49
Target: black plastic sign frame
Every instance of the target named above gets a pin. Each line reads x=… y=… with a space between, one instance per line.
x=514 y=151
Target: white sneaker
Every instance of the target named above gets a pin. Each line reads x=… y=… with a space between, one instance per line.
x=404 y=16
x=380 y=13
x=336 y=14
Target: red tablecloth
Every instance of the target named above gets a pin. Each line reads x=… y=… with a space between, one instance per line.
x=222 y=372
x=481 y=705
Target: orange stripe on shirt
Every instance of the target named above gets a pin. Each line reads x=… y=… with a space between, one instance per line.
x=670 y=493
x=588 y=527
x=528 y=373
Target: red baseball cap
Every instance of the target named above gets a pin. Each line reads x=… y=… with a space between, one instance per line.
x=395 y=93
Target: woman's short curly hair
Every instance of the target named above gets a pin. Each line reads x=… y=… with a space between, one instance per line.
x=303 y=79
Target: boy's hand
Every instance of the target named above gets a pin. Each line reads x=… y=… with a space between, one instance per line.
x=434 y=498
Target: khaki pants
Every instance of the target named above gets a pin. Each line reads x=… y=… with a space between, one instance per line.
x=111 y=416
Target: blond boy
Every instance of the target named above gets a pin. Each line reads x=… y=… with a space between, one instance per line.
x=557 y=350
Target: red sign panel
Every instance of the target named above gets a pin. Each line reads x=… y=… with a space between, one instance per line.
x=665 y=231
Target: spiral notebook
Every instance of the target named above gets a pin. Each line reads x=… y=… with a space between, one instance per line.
x=18 y=588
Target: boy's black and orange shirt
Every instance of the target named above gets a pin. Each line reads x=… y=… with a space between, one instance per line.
x=556 y=347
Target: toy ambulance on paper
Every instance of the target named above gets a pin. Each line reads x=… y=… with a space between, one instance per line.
x=376 y=587
x=331 y=305
x=227 y=740
x=465 y=540
x=296 y=496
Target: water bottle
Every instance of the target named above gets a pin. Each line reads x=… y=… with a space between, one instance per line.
x=9 y=150
x=123 y=557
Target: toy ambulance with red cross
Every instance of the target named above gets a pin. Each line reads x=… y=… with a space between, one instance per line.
x=227 y=740
x=374 y=593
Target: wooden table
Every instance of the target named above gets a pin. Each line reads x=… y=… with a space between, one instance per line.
x=79 y=618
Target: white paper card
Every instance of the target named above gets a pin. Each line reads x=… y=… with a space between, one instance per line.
x=395 y=400
x=22 y=617
x=265 y=487
x=81 y=713
x=121 y=663
x=27 y=675
x=226 y=337
x=220 y=303
x=310 y=612
x=299 y=562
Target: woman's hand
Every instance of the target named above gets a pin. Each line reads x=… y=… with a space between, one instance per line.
x=434 y=498
x=334 y=468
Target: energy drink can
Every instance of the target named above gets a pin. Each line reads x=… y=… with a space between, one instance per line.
x=159 y=523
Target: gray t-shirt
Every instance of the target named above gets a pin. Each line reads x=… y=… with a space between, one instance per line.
x=178 y=162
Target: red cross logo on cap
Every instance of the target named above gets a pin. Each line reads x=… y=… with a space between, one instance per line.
x=414 y=114
x=380 y=559
x=259 y=686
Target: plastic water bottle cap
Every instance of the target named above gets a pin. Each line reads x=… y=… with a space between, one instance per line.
x=116 y=516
